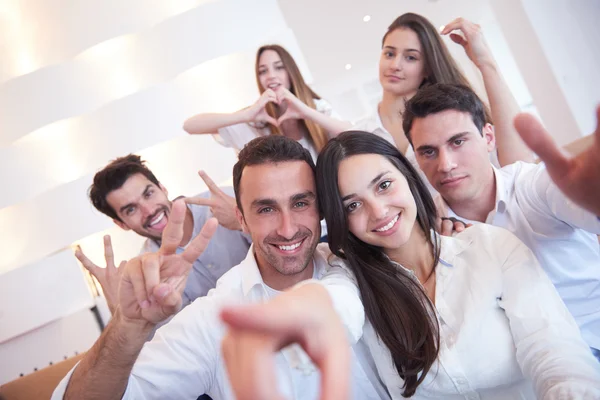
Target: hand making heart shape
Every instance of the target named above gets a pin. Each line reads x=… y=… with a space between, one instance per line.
x=291 y=106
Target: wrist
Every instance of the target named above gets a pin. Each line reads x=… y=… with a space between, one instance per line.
x=487 y=65
x=131 y=327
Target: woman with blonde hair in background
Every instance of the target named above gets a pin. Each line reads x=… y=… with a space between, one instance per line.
x=287 y=106
x=413 y=55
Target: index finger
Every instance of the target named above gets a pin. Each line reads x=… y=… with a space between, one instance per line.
x=108 y=252
x=86 y=262
x=212 y=186
x=200 y=242
x=173 y=233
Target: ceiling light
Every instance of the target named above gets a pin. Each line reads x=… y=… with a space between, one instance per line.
x=367 y=18
x=348 y=66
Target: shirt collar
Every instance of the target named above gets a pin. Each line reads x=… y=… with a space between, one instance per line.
x=251 y=277
x=450 y=248
x=504 y=183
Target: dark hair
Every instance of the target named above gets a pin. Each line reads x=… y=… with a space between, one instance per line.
x=440 y=66
x=112 y=177
x=440 y=97
x=299 y=88
x=268 y=149
x=395 y=303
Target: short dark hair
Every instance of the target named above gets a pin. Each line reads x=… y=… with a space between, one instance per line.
x=112 y=177
x=440 y=97
x=268 y=149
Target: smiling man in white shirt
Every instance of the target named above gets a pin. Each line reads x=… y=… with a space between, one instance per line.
x=446 y=127
x=277 y=205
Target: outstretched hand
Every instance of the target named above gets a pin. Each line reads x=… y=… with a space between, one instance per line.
x=108 y=277
x=153 y=283
x=257 y=332
x=577 y=177
x=222 y=206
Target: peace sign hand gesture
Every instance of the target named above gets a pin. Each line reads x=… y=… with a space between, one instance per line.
x=222 y=206
x=153 y=283
x=108 y=277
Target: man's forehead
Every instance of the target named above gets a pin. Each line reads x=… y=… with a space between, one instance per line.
x=130 y=191
x=437 y=128
x=279 y=181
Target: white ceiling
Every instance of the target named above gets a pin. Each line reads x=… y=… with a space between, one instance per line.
x=331 y=33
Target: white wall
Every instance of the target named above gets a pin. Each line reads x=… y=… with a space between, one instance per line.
x=82 y=83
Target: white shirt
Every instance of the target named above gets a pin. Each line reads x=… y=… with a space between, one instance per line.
x=184 y=359
x=530 y=205
x=505 y=333
x=237 y=136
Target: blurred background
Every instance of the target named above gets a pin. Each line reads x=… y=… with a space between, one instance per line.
x=83 y=82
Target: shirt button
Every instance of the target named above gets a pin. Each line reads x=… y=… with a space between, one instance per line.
x=209 y=266
x=461 y=381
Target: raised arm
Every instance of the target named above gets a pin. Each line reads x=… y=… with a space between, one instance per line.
x=550 y=349
x=150 y=292
x=503 y=105
x=212 y=122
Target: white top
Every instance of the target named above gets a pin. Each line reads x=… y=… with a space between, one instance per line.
x=236 y=136
x=530 y=205
x=505 y=333
x=184 y=359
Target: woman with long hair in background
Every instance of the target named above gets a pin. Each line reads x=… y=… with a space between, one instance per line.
x=413 y=54
x=287 y=106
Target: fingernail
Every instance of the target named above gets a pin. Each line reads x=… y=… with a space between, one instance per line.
x=442 y=28
x=163 y=291
x=145 y=304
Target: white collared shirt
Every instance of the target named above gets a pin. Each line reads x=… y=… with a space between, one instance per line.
x=504 y=331
x=561 y=235
x=184 y=359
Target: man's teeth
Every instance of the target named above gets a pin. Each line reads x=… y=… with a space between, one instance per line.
x=158 y=218
x=290 y=247
x=388 y=226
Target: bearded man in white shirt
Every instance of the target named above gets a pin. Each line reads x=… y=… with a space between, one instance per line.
x=445 y=125
x=276 y=204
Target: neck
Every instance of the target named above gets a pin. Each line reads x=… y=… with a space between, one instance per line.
x=278 y=281
x=188 y=227
x=390 y=112
x=478 y=207
x=416 y=254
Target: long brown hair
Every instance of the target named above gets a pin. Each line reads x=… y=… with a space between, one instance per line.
x=300 y=89
x=395 y=304
x=440 y=66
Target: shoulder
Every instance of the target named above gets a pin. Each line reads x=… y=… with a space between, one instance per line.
x=487 y=242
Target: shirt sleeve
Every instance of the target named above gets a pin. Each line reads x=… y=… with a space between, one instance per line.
x=550 y=349
x=537 y=188
x=236 y=136
x=180 y=361
x=339 y=282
